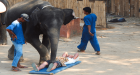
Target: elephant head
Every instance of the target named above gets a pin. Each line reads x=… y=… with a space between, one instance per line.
x=69 y=15
x=66 y=14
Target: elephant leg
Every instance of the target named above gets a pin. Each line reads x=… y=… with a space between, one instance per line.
x=46 y=42
x=54 y=39
x=42 y=50
x=11 y=54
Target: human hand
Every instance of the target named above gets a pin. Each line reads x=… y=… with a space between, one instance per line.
x=26 y=42
x=91 y=34
x=70 y=56
x=82 y=18
x=13 y=37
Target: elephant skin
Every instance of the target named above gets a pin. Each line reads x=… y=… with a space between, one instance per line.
x=44 y=19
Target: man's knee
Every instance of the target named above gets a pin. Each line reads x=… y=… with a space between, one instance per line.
x=55 y=64
x=46 y=63
x=19 y=54
x=66 y=53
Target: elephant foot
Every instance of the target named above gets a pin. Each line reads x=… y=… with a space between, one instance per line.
x=42 y=59
x=12 y=57
x=21 y=59
x=2 y=43
x=3 y=36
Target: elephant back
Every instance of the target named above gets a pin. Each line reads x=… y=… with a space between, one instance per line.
x=26 y=6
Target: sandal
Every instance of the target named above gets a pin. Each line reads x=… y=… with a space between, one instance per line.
x=15 y=69
x=50 y=67
x=81 y=51
x=34 y=66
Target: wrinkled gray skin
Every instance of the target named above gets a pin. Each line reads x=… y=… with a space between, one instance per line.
x=45 y=21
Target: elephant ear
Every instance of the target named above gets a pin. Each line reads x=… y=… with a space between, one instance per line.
x=35 y=16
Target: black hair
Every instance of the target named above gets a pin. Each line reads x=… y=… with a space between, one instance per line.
x=87 y=9
x=19 y=16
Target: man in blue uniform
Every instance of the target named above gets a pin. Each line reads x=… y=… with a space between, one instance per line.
x=89 y=32
x=17 y=38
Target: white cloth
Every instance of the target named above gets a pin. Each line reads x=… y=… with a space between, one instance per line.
x=71 y=60
x=2 y=7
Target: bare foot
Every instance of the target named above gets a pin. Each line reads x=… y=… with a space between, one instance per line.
x=54 y=66
x=98 y=53
x=37 y=67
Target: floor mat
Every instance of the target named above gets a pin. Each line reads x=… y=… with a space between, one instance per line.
x=43 y=71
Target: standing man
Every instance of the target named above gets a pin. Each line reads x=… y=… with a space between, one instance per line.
x=89 y=32
x=17 y=38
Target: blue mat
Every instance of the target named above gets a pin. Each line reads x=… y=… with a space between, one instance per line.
x=43 y=71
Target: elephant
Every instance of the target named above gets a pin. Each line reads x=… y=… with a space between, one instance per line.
x=44 y=19
x=3 y=36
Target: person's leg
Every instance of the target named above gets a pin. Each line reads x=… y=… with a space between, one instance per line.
x=43 y=65
x=20 y=66
x=83 y=44
x=18 y=54
x=54 y=66
x=84 y=40
x=95 y=44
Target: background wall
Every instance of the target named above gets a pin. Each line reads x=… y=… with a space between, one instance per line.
x=127 y=8
x=98 y=7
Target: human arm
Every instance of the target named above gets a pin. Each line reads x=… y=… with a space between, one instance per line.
x=10 y=29
x=25 y=42
x=87 y=22
x=89 y=29
x=13 y=35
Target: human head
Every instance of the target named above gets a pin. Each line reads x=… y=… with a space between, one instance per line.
x=87 y=10
x=24 y=17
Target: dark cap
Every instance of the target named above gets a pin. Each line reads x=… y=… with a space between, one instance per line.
x=25 y=17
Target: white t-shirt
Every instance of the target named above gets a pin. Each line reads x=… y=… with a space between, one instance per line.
x=71 y=60
x=2 y=7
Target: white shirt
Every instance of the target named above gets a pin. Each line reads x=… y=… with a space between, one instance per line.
x=71 y=60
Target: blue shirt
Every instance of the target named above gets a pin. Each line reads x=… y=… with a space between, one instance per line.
x=16 y=28
x=90 y=19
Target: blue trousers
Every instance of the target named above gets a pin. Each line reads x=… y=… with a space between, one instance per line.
x=17 y=53
x=84 y=41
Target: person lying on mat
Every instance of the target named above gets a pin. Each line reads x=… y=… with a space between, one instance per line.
x=60 y=61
